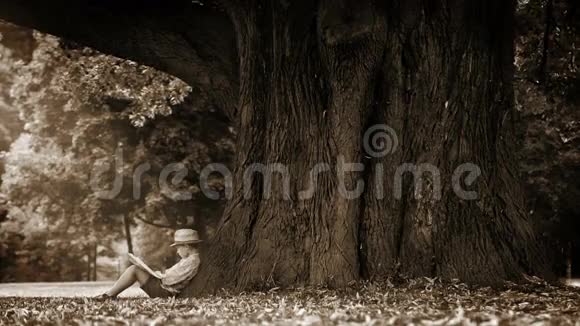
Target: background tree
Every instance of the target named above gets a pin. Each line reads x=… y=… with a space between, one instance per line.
x=550 y=122
x=17 y=43
x=78 y=112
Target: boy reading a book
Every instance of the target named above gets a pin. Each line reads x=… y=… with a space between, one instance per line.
x=157 y=284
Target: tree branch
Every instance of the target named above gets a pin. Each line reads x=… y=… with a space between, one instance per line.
x=159 y=225
x=192 y=42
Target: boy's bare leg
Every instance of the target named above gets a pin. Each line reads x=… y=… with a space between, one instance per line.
x=131 y=275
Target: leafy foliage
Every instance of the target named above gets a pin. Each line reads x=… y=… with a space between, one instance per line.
x=80 y=108
x=78 y=79
x=56 y=232
x=10 y=126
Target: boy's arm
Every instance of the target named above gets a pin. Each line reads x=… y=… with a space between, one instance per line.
x=184 y=270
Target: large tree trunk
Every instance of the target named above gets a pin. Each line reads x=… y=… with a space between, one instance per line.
x=439 y=74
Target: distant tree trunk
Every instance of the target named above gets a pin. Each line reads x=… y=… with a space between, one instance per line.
x=127 y=225
x=569 y=260
x=3 y=213
x=94 y=275
x=89 y=262
x=440 y=74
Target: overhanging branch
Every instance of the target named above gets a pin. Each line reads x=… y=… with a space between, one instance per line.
x=159 y=225
x=189 y=41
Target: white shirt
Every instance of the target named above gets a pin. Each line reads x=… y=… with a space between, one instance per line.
x=179 y=275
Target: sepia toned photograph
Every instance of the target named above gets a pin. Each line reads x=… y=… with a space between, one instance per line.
x=290 y=162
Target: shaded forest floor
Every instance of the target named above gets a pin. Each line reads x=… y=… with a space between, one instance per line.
x=422 y=302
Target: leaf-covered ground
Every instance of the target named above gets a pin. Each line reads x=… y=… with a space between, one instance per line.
x=421 y=302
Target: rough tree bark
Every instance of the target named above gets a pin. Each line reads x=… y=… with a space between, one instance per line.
x=313 y=77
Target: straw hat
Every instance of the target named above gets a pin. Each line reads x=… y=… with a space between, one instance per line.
x=185 y=236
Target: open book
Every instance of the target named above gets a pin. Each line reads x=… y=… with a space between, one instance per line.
x=140 y=263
